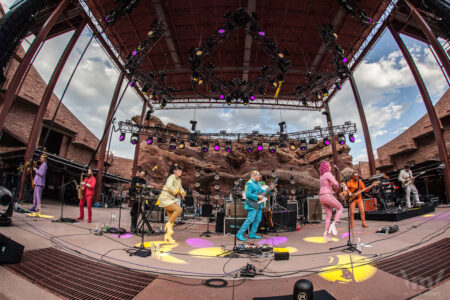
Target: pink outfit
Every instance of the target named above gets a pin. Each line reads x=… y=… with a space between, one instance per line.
x=327 y=199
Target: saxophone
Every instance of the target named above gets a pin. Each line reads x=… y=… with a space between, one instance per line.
x=80 y=188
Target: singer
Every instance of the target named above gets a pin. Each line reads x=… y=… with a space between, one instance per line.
x=327 y=184
x=171 y=190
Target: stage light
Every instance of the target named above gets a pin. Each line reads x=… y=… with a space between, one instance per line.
x=144 y=90
x=212 y=89
x=134 y=53
x=181 y=145
x=304 y=102
x=280 y=55
x=132 y=82
x=325 y=91
x=298 y=87
x=205 y=146
x=228 y=146
x=272 y=147
x=211 y=65
x=221 y=96
x=150 y=33
x=172 y=143
x=261 y=91
x=351 y=138
x=326 y=141
x=221 y=31
x=122 y=136
x=261 y=33
x=249 y=146
x=341 y=139
x=344 y=60
x=200 y=81
x=228 y=100
x=134 y=139
x=199 y=52
x=312 y=141
x=274 y=83
x=260 y=147
x=217 y=146
x=245 y=100
x=149 y=140
x=163 y=103
x=292 y=146
x=303 y=145
x=338 y=85
x=252 y=97
x=318 y=95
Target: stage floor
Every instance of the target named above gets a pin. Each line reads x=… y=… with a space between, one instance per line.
x=182 y=268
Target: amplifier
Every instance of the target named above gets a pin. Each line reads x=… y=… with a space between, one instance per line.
x=284 y=220
x=229 y=227
x=314 y=209
x=370 y=204
x=292 y=205
x=157 y=215
x=220 y=215
x=240 y=210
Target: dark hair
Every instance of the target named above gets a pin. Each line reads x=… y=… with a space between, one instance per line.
x=141 y=170
x=173 y=168
x=406 y=166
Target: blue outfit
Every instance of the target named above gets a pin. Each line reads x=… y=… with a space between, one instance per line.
x=252 y=190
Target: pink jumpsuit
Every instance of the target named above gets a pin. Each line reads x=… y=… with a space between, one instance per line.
x=327 y=199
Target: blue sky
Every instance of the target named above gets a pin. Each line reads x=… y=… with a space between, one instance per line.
x=390 y=97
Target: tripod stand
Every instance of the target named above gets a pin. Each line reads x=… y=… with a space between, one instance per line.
x=349 y=247
x=206 y=212
x=63 y=190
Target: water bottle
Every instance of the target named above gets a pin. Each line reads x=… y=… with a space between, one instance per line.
x=153 y=249
x=113 y=216
x=399 y=207
x=358 y=245
x=158 y=251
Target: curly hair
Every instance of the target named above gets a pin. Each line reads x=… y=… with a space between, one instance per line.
x=324 y=167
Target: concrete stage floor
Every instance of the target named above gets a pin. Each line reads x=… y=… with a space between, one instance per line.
x=182 y=268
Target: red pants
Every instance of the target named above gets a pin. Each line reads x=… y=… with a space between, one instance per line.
x=361 y=211
x=89 y=205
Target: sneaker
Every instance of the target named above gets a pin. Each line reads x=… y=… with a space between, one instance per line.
x=332 y=229
x=254 y=236
x=325 y=237
x=240 y=237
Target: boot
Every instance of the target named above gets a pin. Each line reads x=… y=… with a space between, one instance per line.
x=332 y=228
x=169 y=228
x=168 y=239
x=240 y=237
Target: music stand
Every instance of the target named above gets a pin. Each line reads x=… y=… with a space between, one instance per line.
x=349 y=247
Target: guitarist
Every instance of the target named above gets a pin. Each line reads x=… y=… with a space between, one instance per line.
x=354 y=185
x=407 y=180
x=253 y=193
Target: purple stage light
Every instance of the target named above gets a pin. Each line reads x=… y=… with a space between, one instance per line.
x=250 y=150
x=221 y=31
x=303 y=148
x=344 y=60
x=228 y=150
x=326 y=142
x=260 y=148
x=216 y=148
x=252 y=97
x=121 y=137
x=342 y=142
x=106 y=19
x=351 y=137
x=134 y=53
x=131 y=83
x=262 y=33
x=370 y=20
x=222 y=96
x=149 y=141
x=205 y=149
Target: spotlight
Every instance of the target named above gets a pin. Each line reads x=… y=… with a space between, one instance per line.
x=217 y=146
x=338 y=85
x=200 y=81
x=149 y=140
x=274 y=83
x=261 y=33
x=228 y=146
x=150 y=33
x=272 y=147
x=205 y=146
x=326 y=141
x=194 y=125
x=221 y=31
x=325 y=91
x=260 y=147
x=144 y=90
x=245 y=100
x=303 y=145
x=181 y=145
x=292 y=146
x=351 y=138
x=211 y=65
x=228 y=100
x=122 y=136
x=172 y=144
x=318 y=95
x=163 y=103
x=249 y=146
x=344 y=60
x=280 y=55
x=304 y=102
x=341 y=139
x=134 y=138
x=252 y=97
x=212 y=89
x=199 y=52
x=221 y=96
x=312 y=141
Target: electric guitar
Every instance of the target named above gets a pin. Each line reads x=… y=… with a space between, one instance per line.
x=355 y=195
x=410 y=180
x=264 y=199
x=268 y=211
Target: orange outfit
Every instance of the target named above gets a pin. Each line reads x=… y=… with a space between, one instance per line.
x=352 y=186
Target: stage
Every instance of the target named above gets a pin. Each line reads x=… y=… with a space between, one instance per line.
x=396 y=215
x=181 y=269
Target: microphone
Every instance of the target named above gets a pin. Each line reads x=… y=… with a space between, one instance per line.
x=154 y=168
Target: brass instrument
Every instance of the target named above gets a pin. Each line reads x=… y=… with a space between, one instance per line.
x=27 y=167
x=80 y=188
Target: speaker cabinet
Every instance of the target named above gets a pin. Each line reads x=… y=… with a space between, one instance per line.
x=10 y=251
x=220 y=215
x=284 y=220
x=229 y=227
x=240 y=210
x=314 y=210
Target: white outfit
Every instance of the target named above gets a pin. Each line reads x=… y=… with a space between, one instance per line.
x=403 y=177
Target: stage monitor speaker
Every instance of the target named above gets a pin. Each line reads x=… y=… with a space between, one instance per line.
x=229 y=227
x=10 y=251
x=206 y=210
x=314 y=210
x=370 y=204
x=284 y=220
x=284 y=255
x=240 y=210
x=219 y=221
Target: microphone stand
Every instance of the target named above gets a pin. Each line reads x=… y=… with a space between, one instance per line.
x=63 y=190
x=233 y=253
x=349 y=247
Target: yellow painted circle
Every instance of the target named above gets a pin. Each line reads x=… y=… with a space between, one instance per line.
x=318 y=239
x=207 y=252
x=285 y=249
x=428 y=215
x=349 y=268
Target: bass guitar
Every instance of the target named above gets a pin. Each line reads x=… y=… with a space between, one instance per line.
x=410 y=180
x=268 y=211
x=355 y=195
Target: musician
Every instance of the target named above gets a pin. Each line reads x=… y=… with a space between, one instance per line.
x=171 y=190
x=88 y=193
x=327 y=184
x=354 y=185
x=407 y=180
x=136 y=202
x=39 y=183
x=253 y=192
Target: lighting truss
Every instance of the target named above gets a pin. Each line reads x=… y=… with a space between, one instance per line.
x=352 y=8
x=122 y=7
x=336 y=52
x=237 y=89
x=196 y=136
